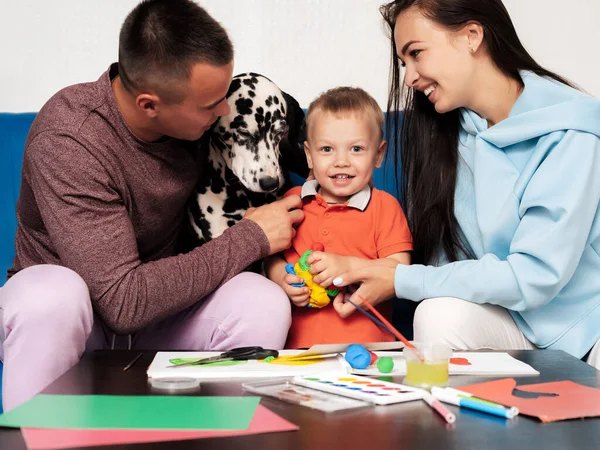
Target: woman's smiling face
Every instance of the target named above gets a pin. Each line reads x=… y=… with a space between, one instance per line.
x=437 y=61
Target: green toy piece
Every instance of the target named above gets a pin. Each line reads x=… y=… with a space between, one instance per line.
x=385 y=364
x=302 y=261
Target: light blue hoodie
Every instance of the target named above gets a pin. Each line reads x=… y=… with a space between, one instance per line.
x=526 y=201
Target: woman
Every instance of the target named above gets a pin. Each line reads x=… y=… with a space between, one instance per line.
x=500 y=179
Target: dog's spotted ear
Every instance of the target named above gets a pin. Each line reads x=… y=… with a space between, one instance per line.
x=292 y=145
x=294 y=115
x=236 y=83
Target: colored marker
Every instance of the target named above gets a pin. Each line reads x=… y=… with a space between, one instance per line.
x=441 y=409
x=447 y=396
x=463 y=394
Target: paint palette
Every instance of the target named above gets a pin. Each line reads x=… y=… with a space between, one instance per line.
x=282 y=389
x=361 y=388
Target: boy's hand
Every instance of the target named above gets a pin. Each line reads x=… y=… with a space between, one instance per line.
x=326 y=266
x=299 y=296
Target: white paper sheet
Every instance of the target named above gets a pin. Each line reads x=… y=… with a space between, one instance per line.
x=482 y=363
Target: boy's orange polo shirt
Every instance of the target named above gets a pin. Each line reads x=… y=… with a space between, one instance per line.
x=370 y=225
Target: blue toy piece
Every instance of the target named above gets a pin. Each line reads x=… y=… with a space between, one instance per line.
x=358 y=357
x=289 y=268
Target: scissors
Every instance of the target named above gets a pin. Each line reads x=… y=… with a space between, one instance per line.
x=237 y=354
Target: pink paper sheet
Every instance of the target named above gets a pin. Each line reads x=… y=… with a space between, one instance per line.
x=264 y=421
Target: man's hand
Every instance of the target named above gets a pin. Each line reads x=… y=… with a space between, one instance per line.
x=276 y=220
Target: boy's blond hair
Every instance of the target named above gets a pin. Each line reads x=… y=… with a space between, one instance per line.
x=346 y=99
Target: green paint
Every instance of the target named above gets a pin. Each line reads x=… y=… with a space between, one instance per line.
x=386 y=378
x=268 y=359
x=178 y=361
x=302 y=261
x=385 y=364
x=333 y=292
x=154 y=412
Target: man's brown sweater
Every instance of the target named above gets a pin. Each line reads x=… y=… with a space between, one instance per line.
x=111 y=207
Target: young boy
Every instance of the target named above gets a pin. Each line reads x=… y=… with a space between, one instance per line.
x=353 y=221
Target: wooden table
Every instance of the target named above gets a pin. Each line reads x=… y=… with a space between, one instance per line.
x=410 y=425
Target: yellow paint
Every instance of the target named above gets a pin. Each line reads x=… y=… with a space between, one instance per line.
x=346 y=379
x=318 y=294
x=426 y=374
x=292 y=361
x=301 y=357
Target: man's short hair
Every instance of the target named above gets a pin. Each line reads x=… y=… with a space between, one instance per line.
x=346 y=99
x=161 y=40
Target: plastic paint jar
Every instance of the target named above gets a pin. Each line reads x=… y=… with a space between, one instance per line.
x=433 y=370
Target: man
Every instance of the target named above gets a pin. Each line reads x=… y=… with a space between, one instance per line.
x=107 y=171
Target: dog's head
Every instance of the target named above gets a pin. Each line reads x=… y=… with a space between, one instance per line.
x=263 y=134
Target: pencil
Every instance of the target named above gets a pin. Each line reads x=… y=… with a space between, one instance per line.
x=126 y=368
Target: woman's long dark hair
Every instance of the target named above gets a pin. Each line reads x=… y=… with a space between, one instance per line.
x=426 y=142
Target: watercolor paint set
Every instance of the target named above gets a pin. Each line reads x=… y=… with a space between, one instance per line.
x=285 y=390
x=361 y=388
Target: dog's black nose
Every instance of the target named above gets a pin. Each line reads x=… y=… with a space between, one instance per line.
x=268 y=183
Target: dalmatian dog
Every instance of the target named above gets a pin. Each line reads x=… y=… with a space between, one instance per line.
x=249 y=154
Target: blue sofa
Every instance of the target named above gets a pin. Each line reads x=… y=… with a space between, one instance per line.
x=13 y=132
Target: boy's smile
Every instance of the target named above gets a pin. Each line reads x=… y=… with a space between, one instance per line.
x=343 y=149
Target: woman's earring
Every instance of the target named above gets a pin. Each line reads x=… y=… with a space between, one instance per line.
x=472 y=49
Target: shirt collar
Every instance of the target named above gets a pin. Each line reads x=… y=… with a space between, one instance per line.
x=359 y=201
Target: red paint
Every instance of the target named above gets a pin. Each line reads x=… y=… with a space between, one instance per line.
x=317 y=247
x=373 y=356
x=460 y=361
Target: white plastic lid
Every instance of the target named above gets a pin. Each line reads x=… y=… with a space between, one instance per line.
x=174 y=383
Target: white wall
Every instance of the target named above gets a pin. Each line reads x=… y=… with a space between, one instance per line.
x=306 y=46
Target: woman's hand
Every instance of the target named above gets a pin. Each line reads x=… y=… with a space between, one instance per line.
x=376 y=284
x=326 y=266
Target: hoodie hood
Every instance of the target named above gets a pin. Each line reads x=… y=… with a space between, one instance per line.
x=541 y=108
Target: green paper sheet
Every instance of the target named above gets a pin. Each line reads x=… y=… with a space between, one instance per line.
x=133 y=412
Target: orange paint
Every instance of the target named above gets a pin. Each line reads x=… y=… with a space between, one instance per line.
x=460 y=361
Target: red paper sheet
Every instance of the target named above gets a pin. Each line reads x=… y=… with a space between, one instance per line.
x=573 y=401
x=264 y=421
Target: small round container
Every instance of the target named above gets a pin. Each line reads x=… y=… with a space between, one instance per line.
x=175 y=384
x=433 y=370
